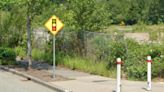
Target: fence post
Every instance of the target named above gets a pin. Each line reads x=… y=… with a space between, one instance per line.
x=118 y=75
x=149 y=72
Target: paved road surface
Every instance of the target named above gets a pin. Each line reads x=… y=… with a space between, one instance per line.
x=12 y=83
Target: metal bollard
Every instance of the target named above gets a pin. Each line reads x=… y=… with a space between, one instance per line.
x=119 y=62
x=149 y=73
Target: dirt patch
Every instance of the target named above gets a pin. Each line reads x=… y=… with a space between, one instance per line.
x=158 y=79
x=40 y=70
x=41 y=74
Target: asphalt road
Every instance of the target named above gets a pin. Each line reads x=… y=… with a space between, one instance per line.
x=12 y=83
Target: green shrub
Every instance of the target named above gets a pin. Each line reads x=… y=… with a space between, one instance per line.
x=59 y=57
x=20 y=51
x=41 y=55
x=7 y=56
x=117 y=50
x=48 y=57
x=137 y=72
x=0 y=62
x=158 y=67
x=135 y=66
x=1 y=52
x=38 y=54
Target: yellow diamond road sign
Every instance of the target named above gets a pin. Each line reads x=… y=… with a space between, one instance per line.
x=54 y=25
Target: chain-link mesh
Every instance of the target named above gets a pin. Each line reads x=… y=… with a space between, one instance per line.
x=92 y=45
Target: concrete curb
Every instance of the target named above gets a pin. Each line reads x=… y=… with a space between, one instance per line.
x=49 y=85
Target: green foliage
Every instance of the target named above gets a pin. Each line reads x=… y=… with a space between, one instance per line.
x=132 y=53
x=156 y=12
x=157 y=67
x=136 y=11
x=85 y=65
x=48 y=57
x=7 y=4
x=118 y=10
x=1 y=52
x=7 y=56
x=137 y=72
x=82 y=15
x=11 y=28
x=20 y=51
x=37 y=54
x=34 y=7
x=118 y=49
x=41 y=55
x=135 y=65
x=108 y=49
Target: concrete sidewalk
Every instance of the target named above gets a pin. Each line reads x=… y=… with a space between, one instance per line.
x=84 y=82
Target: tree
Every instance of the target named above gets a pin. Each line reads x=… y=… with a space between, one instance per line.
x=33 y=8
x=11 y=24
x=161 y=11
x=156 y=12
x=89 y=15
x=118 y=10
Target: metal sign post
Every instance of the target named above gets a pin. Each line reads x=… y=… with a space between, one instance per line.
x=54 y=25
x=54 y=56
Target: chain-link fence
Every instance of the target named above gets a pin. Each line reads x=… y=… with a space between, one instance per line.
x=92 y=45
x=97 y=46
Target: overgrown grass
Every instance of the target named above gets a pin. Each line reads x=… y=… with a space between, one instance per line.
x=41 y=55
x=37 y=54
x=79 y=63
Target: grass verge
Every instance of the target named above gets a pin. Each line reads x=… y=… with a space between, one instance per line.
x=79 y=63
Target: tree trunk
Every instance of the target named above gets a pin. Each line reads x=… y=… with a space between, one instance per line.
x=29 y=41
